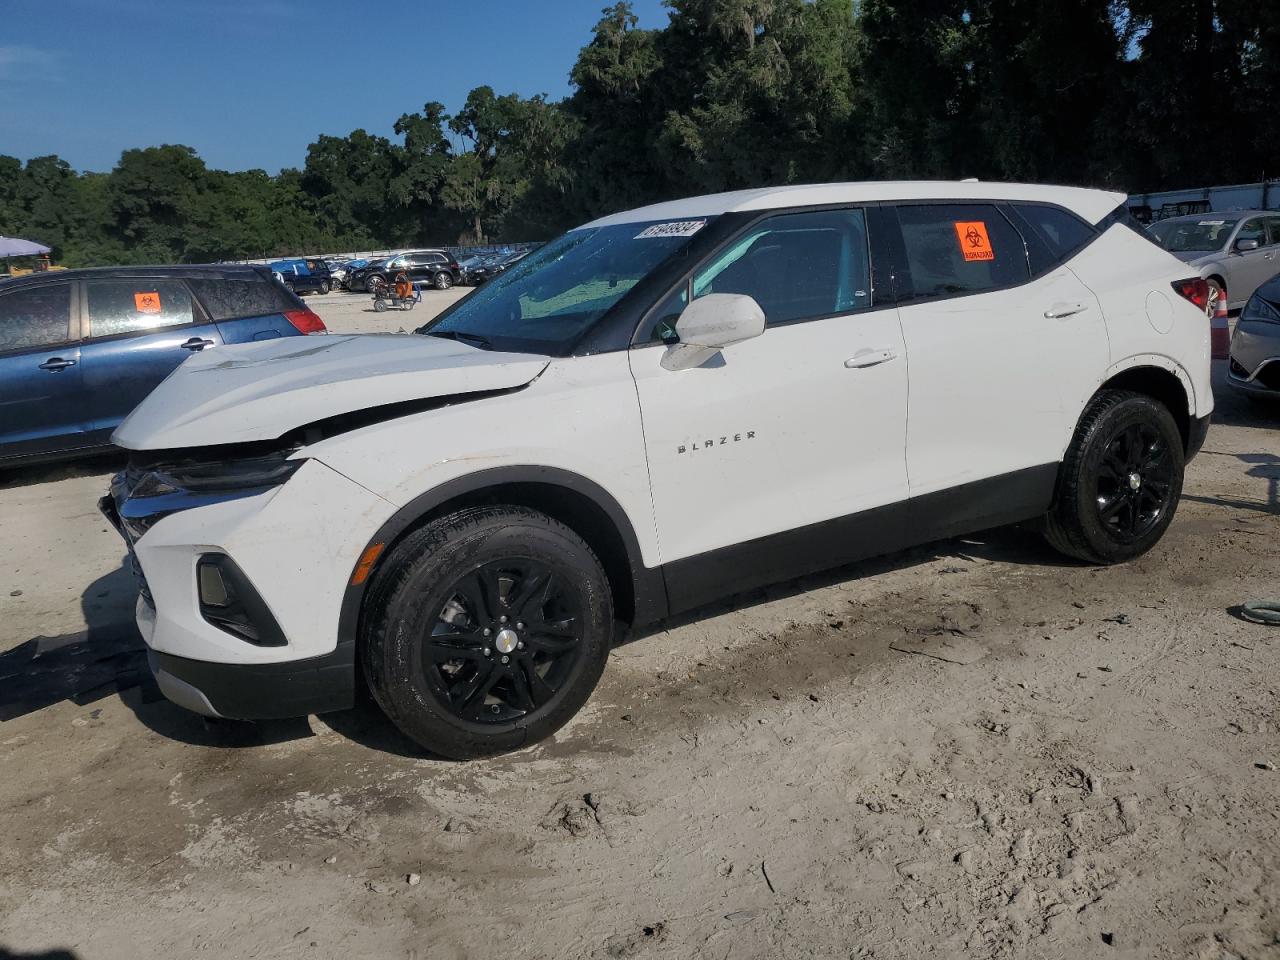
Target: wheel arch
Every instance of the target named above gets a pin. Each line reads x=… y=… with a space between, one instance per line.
x=1161 y=379
x=582 y=505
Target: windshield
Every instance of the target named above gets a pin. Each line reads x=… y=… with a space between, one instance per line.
x=548 y=299
x=1186 y=236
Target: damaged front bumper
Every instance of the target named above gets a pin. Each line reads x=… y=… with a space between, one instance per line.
x=267 y=646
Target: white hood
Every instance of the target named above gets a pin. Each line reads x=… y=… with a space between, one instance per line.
x=258 y=391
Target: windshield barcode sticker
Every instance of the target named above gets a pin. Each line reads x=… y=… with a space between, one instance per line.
x=681 y=228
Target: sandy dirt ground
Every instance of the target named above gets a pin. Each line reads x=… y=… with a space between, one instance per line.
x=974 y=750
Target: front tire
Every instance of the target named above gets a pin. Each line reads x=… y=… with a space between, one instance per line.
x=1120 y=481
x=486 y=630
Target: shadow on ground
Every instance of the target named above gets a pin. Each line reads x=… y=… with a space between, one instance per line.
x=83 y=667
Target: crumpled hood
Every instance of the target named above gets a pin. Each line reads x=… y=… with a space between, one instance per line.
x=259 y=391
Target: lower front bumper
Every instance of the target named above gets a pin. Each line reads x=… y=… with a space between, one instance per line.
x=258 y=691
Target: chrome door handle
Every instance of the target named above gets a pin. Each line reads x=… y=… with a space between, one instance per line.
x=54 y=364
x=1060 y=310
x=196 y=344
x=870 y=358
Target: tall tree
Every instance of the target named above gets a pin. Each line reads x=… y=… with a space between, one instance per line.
x=424 y=165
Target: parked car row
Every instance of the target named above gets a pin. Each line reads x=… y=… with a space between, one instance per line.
x=435 y=267
x=310 y=275
x=476 y=270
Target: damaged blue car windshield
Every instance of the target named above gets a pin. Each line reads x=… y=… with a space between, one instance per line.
x=551 y=297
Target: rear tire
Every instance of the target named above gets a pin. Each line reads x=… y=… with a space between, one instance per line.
x=486 y=630
x=443 y=281
x=1120 y=481
x=324 y=287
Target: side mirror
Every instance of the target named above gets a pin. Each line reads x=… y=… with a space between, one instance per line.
x=1244 y=246
x=711 y=323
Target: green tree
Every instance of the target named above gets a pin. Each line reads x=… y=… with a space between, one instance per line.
x=424 y=165
x=487 y=180
x=349 y=177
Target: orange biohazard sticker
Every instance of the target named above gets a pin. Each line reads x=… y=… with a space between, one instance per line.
x=974 y=242
x=148 y=302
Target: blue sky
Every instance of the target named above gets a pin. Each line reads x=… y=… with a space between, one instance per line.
x=250 y=84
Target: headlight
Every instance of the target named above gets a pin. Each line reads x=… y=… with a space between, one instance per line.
x=149 y=491
x=1260 y=310
x=268 y=470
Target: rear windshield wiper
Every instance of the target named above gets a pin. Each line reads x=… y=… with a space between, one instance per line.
x=472 y=338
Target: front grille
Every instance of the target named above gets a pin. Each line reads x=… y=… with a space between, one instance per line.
x=1269 y=375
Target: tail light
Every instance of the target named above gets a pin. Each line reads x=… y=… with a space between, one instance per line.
x=305 y=321
x=1196 y=290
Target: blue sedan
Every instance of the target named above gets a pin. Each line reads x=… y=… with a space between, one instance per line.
x=80 y=348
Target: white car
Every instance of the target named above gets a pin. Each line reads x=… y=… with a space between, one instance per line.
x=656 y=409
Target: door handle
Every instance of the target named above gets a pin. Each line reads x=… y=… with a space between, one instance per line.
x=1060 y=310
x=870 y=358
x=195 y=344
x=54 y=364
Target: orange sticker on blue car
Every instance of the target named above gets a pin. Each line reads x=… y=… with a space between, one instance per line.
x=147 y=302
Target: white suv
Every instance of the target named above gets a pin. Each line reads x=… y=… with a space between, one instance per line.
x=654 y=410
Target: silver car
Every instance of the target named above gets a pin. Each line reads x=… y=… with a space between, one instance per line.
x=1255 y=345
x=1236 y=252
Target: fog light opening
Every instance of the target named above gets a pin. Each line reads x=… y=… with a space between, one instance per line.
x=229 y=602
x=213 y=589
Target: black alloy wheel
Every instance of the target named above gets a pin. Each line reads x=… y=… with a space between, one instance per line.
x=1134 y=481
x=507 y=638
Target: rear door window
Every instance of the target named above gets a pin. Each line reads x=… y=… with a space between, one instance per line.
x=236 y=299
x=135 y=306
x=1062 y=234
x=960 y=248
x=35 y=316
